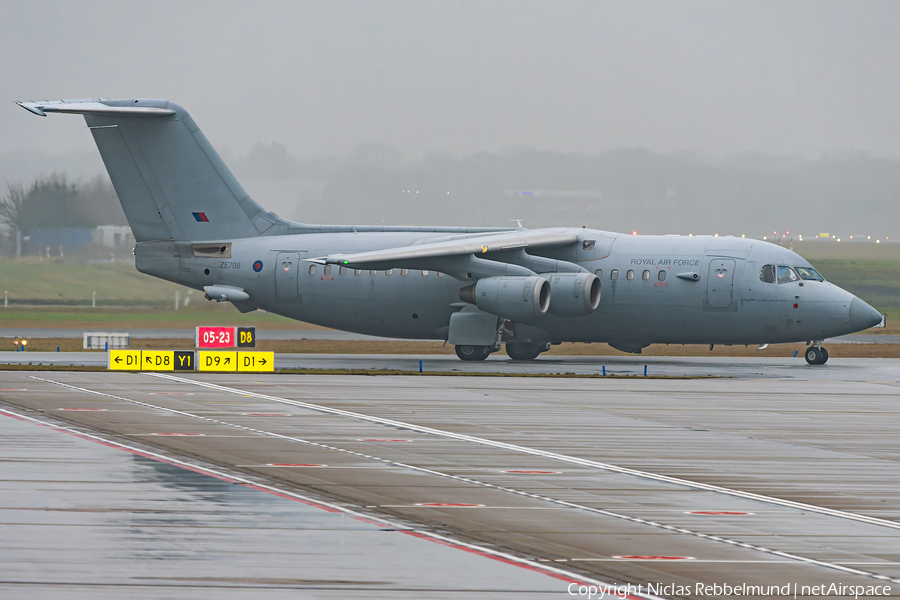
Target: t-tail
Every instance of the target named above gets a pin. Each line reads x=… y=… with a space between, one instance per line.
x=170 y=181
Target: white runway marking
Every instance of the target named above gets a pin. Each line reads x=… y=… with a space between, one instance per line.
x=563 y=503
x=551 y=455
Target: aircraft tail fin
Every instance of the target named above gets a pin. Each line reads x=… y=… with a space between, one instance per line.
x=170 y=181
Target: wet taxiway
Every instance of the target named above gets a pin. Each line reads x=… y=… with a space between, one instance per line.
x=756 y=481
x=82 y=519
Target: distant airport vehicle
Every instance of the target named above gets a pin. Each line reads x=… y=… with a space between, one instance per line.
x=478 y=288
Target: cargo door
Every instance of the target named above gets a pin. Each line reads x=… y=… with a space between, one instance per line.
x=286 y=265
x=720 y=282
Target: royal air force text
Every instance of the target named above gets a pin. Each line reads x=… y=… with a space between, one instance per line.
x=667 y=262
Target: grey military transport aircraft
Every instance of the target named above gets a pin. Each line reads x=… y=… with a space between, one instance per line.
x=477 y=288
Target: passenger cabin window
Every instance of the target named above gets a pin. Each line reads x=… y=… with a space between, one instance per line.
x=328 y=269
x=661 y=275
x=389 y=272
x=599 y=273
x=440 y=274
x=312 y=269
x=588 y=244
x=425 y=273
x=629 y=275
x=614 y=274
x=404 y=272
x=342 y=271
x=767 y=274
x=373 y=272
x=787 y=275
x=357 y=272
x=645 y=275
x=809 y=274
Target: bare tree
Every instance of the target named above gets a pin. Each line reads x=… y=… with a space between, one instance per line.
x=12 y=206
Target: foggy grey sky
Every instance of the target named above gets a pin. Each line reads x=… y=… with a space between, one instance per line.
x=324 y=77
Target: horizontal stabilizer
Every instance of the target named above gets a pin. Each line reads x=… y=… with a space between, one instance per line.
x=78 y=107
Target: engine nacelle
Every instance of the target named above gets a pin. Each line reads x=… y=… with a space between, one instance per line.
x=574 y=294
x=515 y=298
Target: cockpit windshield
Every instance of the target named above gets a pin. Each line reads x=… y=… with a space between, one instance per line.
x=767 y=274
x=782 y=274
x=787 y=275
x=809 y=274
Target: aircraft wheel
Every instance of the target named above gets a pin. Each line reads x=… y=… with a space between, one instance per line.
x=473 y=353
x=522 y=351
x=816 y=356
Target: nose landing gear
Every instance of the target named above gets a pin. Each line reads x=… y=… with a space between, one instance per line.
x=816 y=355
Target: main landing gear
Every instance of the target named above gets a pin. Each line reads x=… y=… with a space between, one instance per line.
x=522 y=351
x=473 y=353
x=816 y=355
x=515 y=350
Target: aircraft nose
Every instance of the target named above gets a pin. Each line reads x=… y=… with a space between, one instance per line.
x=863 y=316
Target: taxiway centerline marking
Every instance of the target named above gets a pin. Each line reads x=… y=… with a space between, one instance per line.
x=636 y=520
x=551 y=455
x=377 y=520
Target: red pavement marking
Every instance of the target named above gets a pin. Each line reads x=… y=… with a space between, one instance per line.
x=267 y=414
x=83 y=409
x=13 y=390
x=382 y=440
x=293 y=465
x=17 y=418
x=448 y=504
x=507 y=561
x=534 y=472
x=146 y=455
x=651 y=557
x=717 y=512
x=179 y=434
x=301 y=501
x=171 y=393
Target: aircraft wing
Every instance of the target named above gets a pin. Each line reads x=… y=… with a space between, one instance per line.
x=476 y=245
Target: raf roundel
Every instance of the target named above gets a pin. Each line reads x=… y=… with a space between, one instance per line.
x=257 y=266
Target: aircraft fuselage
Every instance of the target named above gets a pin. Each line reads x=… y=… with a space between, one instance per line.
x=727 y=303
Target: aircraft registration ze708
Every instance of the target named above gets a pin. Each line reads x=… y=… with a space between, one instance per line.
x=475 y=287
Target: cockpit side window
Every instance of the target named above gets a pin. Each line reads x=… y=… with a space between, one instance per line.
x=767 y=274
x=787 y=275
x=809 y=274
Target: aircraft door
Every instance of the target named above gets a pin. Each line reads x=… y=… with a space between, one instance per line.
x=286 y=265
x=720 y=283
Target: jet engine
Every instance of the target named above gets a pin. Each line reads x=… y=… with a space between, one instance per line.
x=516 y=298
x=574 y=294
